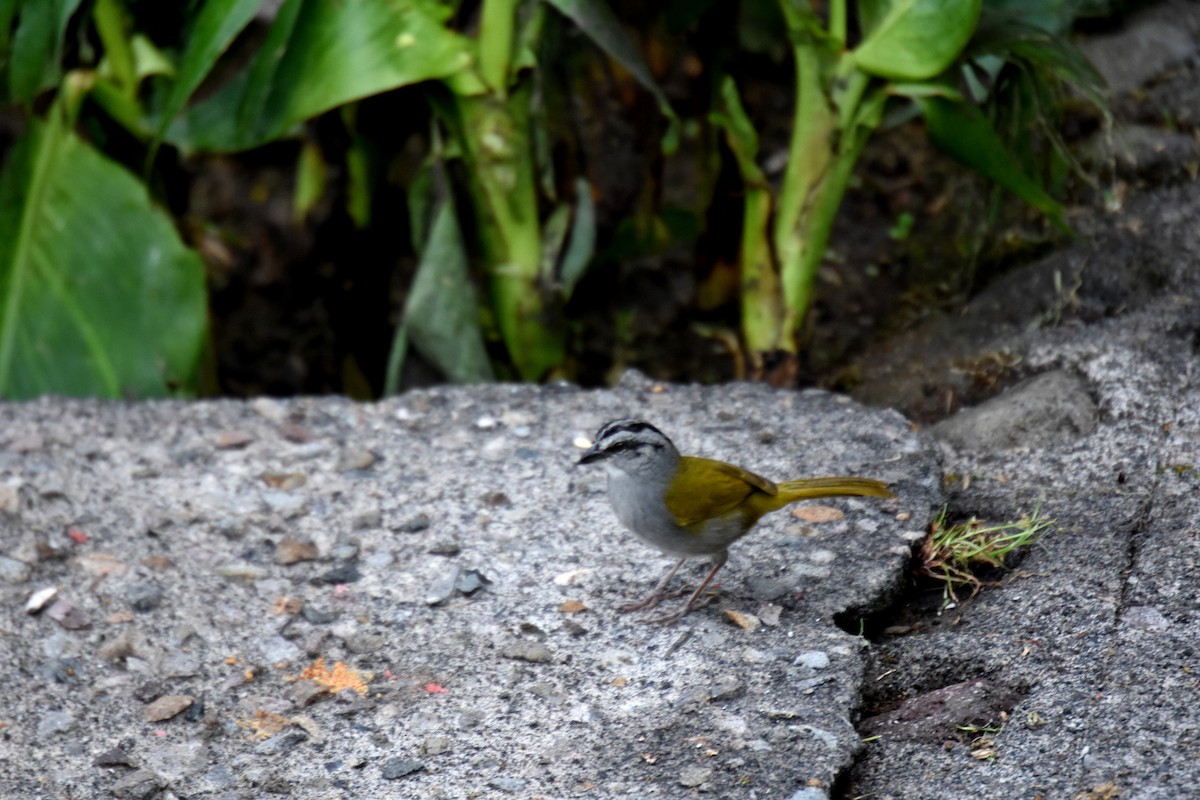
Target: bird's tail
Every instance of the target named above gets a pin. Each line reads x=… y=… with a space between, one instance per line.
x=831 y=487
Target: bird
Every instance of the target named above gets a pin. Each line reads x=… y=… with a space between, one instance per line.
x=689 y=507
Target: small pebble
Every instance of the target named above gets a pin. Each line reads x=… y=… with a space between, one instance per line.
x=522 y=650
x=55 y=722
x=571 y=577
x=414 y=524
x=728 y=688
x=379 y=560
x=371 y=518
x=158 y=563
x=280 y=743
x=286 y=481
x=116 y=757
x=443 y=589
x=295 y=432
x=813 y=660
x=39 y=599
x=286 y=504
x=291 y=551
x=144 y=596
x=317 y=616
x=435 y=745
x=68 y=615
x=241 y=570
x=355 y=458
x=396 y=767
x=365 y=643
x=233 y=440
x=495 y=499
x=306 y=692
x=65 y=671
x=471 y=581
x=747 y=622
x=179 y=665
x=278 y=650
x=195 y=711
x=342 y=573
x=150 y=690
x=102 y=564
x=344 y=551
x=13 y=571
x=769 y=614
x=140 y=785
x=572 y=607
x=10 y=496
x=166 y=707
x=270 y=409
x=117 y=648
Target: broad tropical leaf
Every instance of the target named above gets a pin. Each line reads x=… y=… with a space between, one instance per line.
x=98 y=295
x=318 y=55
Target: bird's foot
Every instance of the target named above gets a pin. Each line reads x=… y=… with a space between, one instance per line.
x=675 y=616
x=649 y=601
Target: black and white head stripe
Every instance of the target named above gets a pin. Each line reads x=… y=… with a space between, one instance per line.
x=622 y=435
x=627 y=440
x=632 y=427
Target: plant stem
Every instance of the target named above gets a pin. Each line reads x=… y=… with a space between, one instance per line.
x=496 y=141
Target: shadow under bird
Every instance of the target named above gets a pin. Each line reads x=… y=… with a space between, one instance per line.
x=692 y=507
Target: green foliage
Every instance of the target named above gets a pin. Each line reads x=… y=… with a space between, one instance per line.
x=441 y=316
x=910 y=51
x=31 y=60
x=99 y=295
x=318 y=55
x=95 y=298
x=913 y=40
x=951 y=554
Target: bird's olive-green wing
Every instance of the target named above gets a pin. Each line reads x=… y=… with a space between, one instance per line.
x=703 y=489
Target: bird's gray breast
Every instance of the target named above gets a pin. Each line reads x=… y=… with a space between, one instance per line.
x=638 y=503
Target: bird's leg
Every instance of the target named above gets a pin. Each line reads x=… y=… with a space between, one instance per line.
x=692 y=603
x=656 y=594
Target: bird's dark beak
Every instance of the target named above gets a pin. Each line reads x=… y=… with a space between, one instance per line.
x=592 y=454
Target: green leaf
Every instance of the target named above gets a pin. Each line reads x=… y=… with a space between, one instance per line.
x=98 y=295
x=914 y=40
x=441 y=315
x=740 y=134
x=312 y=177
x=320 y=54
x=965 y=134
x=8 y=12
x=554 y=233
x=35 y=60
x=112 y=25
x=581 y=244
x=1052 y=16
x=212 y=31
x=597 y=21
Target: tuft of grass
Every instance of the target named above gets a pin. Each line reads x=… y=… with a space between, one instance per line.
x=982 y=740
x=952 y=553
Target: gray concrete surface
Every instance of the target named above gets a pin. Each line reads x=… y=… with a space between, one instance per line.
x=214 y=550
x=1078 y=675
x=202 y=555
